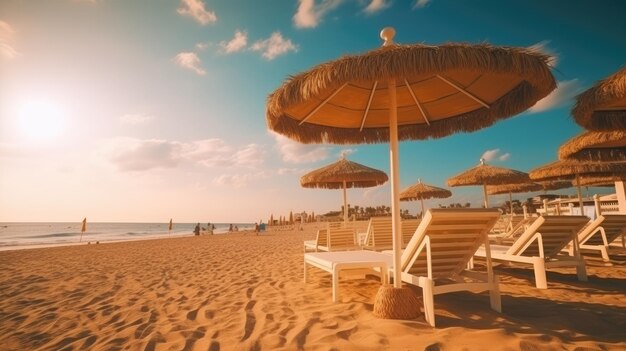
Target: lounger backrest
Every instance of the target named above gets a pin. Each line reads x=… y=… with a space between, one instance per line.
x=322 y=237
x=408 y=229
x=454 y=236
x=379 y=232
x=556 y=232
x=614 y=226
x=341 y=239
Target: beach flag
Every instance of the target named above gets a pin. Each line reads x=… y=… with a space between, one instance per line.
x=83 y=229
x=170 y=227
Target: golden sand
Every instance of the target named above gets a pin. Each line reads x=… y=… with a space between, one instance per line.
x=245 y=292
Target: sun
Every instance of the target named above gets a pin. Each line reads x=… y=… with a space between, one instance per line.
x=40 y=119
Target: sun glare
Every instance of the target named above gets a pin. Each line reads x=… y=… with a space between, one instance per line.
x=40 y=120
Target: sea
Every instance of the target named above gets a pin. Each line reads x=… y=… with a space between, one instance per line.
x=20 y=235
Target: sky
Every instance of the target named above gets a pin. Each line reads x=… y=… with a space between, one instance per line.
x=146 y=110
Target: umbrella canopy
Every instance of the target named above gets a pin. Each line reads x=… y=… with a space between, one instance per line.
x=572 y=170
x=485 y=174
x=343 y=174
x=421 y=191
x=401 y=92
x=596 y=146
x=603 y=106
x=333 y=176
x=513 y=188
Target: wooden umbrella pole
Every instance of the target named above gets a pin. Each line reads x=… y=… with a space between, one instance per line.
x=485 y=195
x=422 y=200
x=580 y=195
x=345 y=204
x=511 y=202
x=395 y=182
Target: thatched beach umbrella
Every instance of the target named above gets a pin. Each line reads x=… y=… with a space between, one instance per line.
x=573 y=170
x=421 y=191
x=402 y=92
x=603 y=106
x=595 y=146
x=485 y=174
x=343 y=174
x=513 y=188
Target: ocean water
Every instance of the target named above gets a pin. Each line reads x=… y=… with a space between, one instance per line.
x=22 y=234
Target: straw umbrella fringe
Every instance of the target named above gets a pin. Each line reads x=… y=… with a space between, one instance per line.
x=485 y=174
x=421 y=191
x=596 y=146
x=600 y=180
x=343 y=174
x=399 y=62
x=603 y=106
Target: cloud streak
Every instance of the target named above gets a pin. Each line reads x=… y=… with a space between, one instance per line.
x=128 y=154
x=495 y=154
x=292 y=152
x=564 y=93
x=196 y=10
x=274 y=46
x=421 y=4
x=309 y=14
x=191 y=61
x=236 y=44
x=7 y=36
x=376 y=6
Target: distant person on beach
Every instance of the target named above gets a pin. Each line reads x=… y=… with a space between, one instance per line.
x=256 y=228
x=236 y=228
x=230 y=229
x=196 y=230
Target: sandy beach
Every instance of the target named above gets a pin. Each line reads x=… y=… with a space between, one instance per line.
x=245 y=292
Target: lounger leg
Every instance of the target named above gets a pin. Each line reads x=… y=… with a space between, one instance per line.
x=494 y=294
x=541 y=282
x=604 y=250
x=335 y=284
x=429 y=303
x=581 y=270
x=470 y=263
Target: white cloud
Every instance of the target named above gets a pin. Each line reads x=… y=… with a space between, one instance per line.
x=129 y=154
x=421 y=3
x=346 y=152
x=196 y=10
x=495 y=154
x=289 y=171
x=139 y=155
x=190 y=60
x=237 y=180
x=7 y=34
x=309 y=14
x=237 y=43
x=544 y=48
x=202 y=46
x=274 y=46
x=565 y=91
x=377 y=5
x=293 y=152
x=135 y=118
x=490 y=155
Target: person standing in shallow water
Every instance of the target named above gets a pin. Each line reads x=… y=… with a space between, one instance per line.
x=196 y=230
x=230 y=229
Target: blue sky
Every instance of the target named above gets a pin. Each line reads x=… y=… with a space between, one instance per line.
x=146 y=110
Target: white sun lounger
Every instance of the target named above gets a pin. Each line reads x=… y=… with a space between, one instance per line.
x=333 y=238
x=541 y=246
x=435 y=258
x=601 y=232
